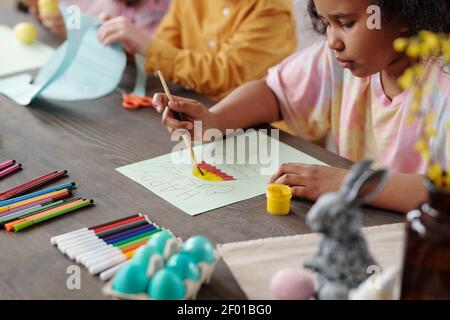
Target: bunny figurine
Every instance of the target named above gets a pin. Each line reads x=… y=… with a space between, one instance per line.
x=343 y=257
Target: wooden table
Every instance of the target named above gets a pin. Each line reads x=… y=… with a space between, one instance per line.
x=90 y=139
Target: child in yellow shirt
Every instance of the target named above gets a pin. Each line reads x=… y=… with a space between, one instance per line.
x=214 y=46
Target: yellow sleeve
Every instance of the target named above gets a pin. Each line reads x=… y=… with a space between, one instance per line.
x=168 y=29
x=262 y=40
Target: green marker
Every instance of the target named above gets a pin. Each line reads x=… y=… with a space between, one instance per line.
x=31 y=222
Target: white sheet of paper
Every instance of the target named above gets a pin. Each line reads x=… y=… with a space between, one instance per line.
x=18 y=57
x=252 y=169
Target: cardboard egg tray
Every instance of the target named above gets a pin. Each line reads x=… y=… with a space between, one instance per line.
x=192 y=288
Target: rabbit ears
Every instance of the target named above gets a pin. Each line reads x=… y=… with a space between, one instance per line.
x=363 y=184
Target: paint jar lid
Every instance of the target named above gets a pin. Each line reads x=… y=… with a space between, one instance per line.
x=278 y=192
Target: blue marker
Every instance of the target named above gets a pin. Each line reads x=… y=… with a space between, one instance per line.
x=69 y=185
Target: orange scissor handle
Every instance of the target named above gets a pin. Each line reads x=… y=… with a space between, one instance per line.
x=132 y=101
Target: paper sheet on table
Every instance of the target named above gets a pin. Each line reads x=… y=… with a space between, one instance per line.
x=252 y=169
x=81 y=68
x=17 y=57
x=253 y=263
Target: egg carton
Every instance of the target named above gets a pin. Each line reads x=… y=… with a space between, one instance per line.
x=156 y=263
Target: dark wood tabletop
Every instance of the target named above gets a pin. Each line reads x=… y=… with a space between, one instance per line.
x=92 y=138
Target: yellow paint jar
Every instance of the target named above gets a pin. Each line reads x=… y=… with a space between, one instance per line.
x=278 y=199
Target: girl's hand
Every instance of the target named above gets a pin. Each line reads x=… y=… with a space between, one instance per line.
x=189 y=109
x=122 y=30
x=55 y=23
x=309 y=181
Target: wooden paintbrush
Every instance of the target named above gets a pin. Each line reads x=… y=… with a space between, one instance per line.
x=186 y=138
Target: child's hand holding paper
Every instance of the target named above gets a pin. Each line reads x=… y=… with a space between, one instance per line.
x=122 y=30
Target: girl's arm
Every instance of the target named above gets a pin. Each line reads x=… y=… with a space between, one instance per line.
x=249 y=105
x=402 y=193
x=254 y=103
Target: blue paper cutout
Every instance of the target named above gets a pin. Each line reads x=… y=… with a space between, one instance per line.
x=81 y=68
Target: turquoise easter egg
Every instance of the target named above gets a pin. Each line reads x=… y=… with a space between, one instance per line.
x=166 y=285
x=143 y=255
x=130 y=279
x=183 y=264
x=158 y=241
x=200 y=249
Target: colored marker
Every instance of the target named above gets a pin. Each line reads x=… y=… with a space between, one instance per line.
x=64 y=243
x=105 y=248
x=22 y=203
x=97 y=248
x=33 y=221
x=120 y=246
x=109 y=273
x=7 y=164
x=69 y=242
x=82 y=253
x=81 y=248
x=33 y=184
x=25 y=184
x=113 y=259
x=9 y=226
x=10 y=169
x=30 y=211
x=54 y=240
x=69 y=185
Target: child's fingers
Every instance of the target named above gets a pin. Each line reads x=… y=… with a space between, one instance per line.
x=160 y=101
x=108 y=30
x=170 y=122
x=114 y=37
x=290 y=179
x=286 y=168
x=299 y=191
x=193 y=109
x=104 y=16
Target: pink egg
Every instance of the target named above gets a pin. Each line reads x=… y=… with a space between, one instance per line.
x=292 y=284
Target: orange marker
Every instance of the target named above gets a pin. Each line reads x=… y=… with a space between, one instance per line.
x=34 y=200
x=10 y=226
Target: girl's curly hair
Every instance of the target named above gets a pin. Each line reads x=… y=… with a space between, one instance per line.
x=431 y=15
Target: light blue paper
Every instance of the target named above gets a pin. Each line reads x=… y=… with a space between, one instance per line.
x=141 y=76
x=94 y=73
x=81 y=68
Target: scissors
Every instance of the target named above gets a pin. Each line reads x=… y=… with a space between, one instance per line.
x=133 y=101
x=137 y=98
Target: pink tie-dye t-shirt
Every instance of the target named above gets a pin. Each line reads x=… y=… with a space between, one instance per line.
x=146 y=14
x=317 y=96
